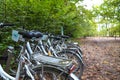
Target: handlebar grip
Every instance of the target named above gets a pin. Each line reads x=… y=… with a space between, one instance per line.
x=5 y=24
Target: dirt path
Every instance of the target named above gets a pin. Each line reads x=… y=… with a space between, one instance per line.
x=102 y=58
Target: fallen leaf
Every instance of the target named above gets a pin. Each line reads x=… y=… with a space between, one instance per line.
x=105 y=62
x=107 y=73
x=84 y=77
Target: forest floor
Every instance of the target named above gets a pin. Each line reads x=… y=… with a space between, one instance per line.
x=101 y=57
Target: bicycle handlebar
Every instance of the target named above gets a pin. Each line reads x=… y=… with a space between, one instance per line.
x=2 y=25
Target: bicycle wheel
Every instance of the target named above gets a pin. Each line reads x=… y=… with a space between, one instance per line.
x=50 y=73
x=76 y=48
x=68 y=54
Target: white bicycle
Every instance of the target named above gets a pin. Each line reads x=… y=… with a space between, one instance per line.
x=36 y=66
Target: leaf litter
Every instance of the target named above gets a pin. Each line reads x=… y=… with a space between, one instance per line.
x=101 y=57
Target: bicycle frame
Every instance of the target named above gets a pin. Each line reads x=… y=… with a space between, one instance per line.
x=22 y=59
x=6 y=76
x=41 y=47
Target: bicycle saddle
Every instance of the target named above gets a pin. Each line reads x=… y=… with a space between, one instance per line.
x=30 y=34
x=55 y=37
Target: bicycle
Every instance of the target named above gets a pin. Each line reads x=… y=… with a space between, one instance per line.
x=29 y=69
x=55 y=49
x=43 y=58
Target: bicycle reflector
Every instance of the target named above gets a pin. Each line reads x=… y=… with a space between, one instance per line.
x=71 y=69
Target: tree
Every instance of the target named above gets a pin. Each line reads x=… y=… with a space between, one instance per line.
x=109 y=11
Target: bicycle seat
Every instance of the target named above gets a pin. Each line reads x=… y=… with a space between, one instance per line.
x=55 y=37
x=31 y=34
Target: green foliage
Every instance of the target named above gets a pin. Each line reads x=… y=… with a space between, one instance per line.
x=47 y=16
x=110 y=16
